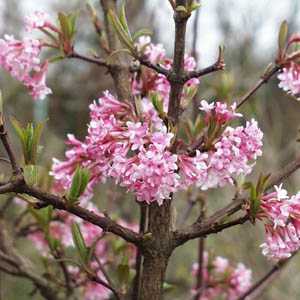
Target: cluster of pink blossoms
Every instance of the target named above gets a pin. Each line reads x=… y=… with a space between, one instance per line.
x=221 y=279
x=281 y=216
x=136 y=152
x=21 y=58
x=290 y=79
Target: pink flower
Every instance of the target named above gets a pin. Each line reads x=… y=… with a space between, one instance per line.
x=220 y=264
x=234 y=154
x=193 y=170
x=290 y=79
x=222 y=280
x=95 y=291
x=219 y=112
x=281 y=217
x=37 y=20
x=21 y=60
x=136 y=132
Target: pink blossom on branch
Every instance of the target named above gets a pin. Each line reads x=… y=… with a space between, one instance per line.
x=37 y=20
x=135 y=152
x=21 y=60
x=290 y=79
x=281 y=216
x=221 y=279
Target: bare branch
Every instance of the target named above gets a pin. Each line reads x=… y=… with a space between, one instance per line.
x=257 y=288
x=98 y=280
x=264 y=79
x=217 y=66
x=97 y=61
x=154 y=67
x=6 y=143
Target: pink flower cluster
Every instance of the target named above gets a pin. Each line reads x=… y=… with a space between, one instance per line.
x=290 y=79
x=150 y=81
x=21 y=60
x=219 y=112
x=121 y=147
x=232 y=153
x=221 y=279
x=136 y=152
x=281 y=216
x=37 y=20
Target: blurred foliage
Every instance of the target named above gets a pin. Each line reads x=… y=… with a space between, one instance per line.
x=76 y=84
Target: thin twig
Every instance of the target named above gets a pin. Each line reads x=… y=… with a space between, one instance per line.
x=6 y=143
x=96 y=61
x=264 y=79
x=201 y=249
x=261 y=284
x=98 y=280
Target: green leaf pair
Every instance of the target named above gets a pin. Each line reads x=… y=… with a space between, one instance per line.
x=256 y=192
x=30 y=138
x=121 y=27
x=79 y=183
x=68 y=25
x=82 y=250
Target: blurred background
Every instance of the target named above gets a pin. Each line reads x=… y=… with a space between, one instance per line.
x=248 y=29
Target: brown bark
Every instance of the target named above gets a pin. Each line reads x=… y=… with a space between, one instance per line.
x=157 y=251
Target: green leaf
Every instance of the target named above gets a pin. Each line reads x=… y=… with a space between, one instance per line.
x=19 y=129
x=56 y=58
x=63 y=21
x=79 y=183
x=181 y=8
x=30 y=138
x=282 y=36
x=121 y=32
x=43 y=216
x=67 y=25
x=195 y=5
x=31 y=174
x=85 y=177
x=167 y=287
x=141 y=32
x=75 y=186
x=123 y=19
x=157 y=103
x=79 y=242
